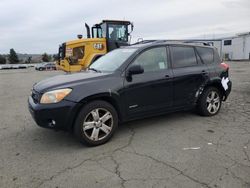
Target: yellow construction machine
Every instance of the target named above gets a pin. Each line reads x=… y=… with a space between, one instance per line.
x=77 y=55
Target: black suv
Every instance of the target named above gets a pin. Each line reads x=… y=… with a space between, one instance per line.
x=129 y=83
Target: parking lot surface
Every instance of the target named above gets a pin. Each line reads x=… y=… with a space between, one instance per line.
x=175 y=150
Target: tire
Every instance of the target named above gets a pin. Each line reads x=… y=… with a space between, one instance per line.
x=210 y=101
x=40 y=69
x=100 y=119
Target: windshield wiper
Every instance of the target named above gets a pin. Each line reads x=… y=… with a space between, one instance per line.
x=93 y=69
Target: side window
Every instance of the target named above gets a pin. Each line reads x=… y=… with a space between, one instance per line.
x=97 y=32
x=78 y=52
x=198 y=58
x=206 y=54
x=153 y=60
x=183 y=56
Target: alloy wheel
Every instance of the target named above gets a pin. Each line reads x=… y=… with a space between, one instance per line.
x=98 y=124
x=213 y=102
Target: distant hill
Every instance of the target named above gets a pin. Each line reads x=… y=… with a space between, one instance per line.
x=35 y=58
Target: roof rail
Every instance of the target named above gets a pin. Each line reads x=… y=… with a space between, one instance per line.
x=181 y=41
x=197 y=42
x=144 y=42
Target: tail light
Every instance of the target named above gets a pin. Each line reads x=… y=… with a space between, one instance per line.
x=224 y=66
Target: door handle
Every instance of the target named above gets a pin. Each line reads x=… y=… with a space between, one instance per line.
x=204 y=72
x=167 y=76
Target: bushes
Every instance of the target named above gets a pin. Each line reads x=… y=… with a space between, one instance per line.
x=2 y=59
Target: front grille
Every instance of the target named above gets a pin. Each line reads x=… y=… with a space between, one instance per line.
x=35 y=96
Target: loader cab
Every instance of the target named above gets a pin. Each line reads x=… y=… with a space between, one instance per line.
x=117 y=33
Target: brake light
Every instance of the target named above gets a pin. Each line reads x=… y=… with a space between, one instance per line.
x=224 y=66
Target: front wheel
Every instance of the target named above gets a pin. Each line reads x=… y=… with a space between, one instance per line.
x=210 y=102
x=96 y=123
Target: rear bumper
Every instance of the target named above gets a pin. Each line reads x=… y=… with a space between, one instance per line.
x=57 y=116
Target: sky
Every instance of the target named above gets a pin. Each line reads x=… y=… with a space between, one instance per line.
x=39 y=26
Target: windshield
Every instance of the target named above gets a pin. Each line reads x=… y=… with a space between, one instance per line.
x=117 y=32
x=112 y=60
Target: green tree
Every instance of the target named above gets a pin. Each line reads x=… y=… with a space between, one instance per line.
x=2 y=59
x=28 y=60
x=13 y=58
x=46 y=57
x=55 y=57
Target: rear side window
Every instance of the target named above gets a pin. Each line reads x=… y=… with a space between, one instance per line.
x=206 y=54
x=183 y=56
x=217 y=58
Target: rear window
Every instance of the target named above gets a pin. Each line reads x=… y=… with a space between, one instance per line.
x=206 y=54
x=183 y=56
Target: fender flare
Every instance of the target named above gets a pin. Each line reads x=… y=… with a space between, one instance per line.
x=109 y=96
x=216 y=82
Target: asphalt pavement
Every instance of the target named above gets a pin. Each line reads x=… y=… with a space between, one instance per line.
x=175 y=150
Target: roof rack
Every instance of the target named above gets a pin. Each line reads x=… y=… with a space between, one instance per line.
x=181 y=41
x=144 y=42
x=197 y=42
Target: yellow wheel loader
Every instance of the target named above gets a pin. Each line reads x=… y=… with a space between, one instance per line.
x=77 y=55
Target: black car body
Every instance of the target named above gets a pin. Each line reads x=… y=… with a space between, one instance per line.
x=177 y=82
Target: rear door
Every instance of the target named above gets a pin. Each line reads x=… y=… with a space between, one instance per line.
x=189 y=74
x=208 y=57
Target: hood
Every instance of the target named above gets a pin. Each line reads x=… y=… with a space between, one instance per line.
x=66 y=80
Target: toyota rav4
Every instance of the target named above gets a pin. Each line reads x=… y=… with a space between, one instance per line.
x=130 y=83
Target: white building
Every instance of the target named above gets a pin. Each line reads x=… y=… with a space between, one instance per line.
x=237 y=47
x=232 y=48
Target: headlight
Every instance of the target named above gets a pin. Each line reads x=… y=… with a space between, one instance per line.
x=54 y=96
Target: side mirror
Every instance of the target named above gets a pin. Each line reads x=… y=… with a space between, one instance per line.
x=134 y=69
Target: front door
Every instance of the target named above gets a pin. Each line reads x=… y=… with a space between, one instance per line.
x=151 y=91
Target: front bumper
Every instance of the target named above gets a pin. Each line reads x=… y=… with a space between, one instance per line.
x=59 y=116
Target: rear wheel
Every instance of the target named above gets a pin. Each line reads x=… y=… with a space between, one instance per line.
x=96 y=123
x=210 y=102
